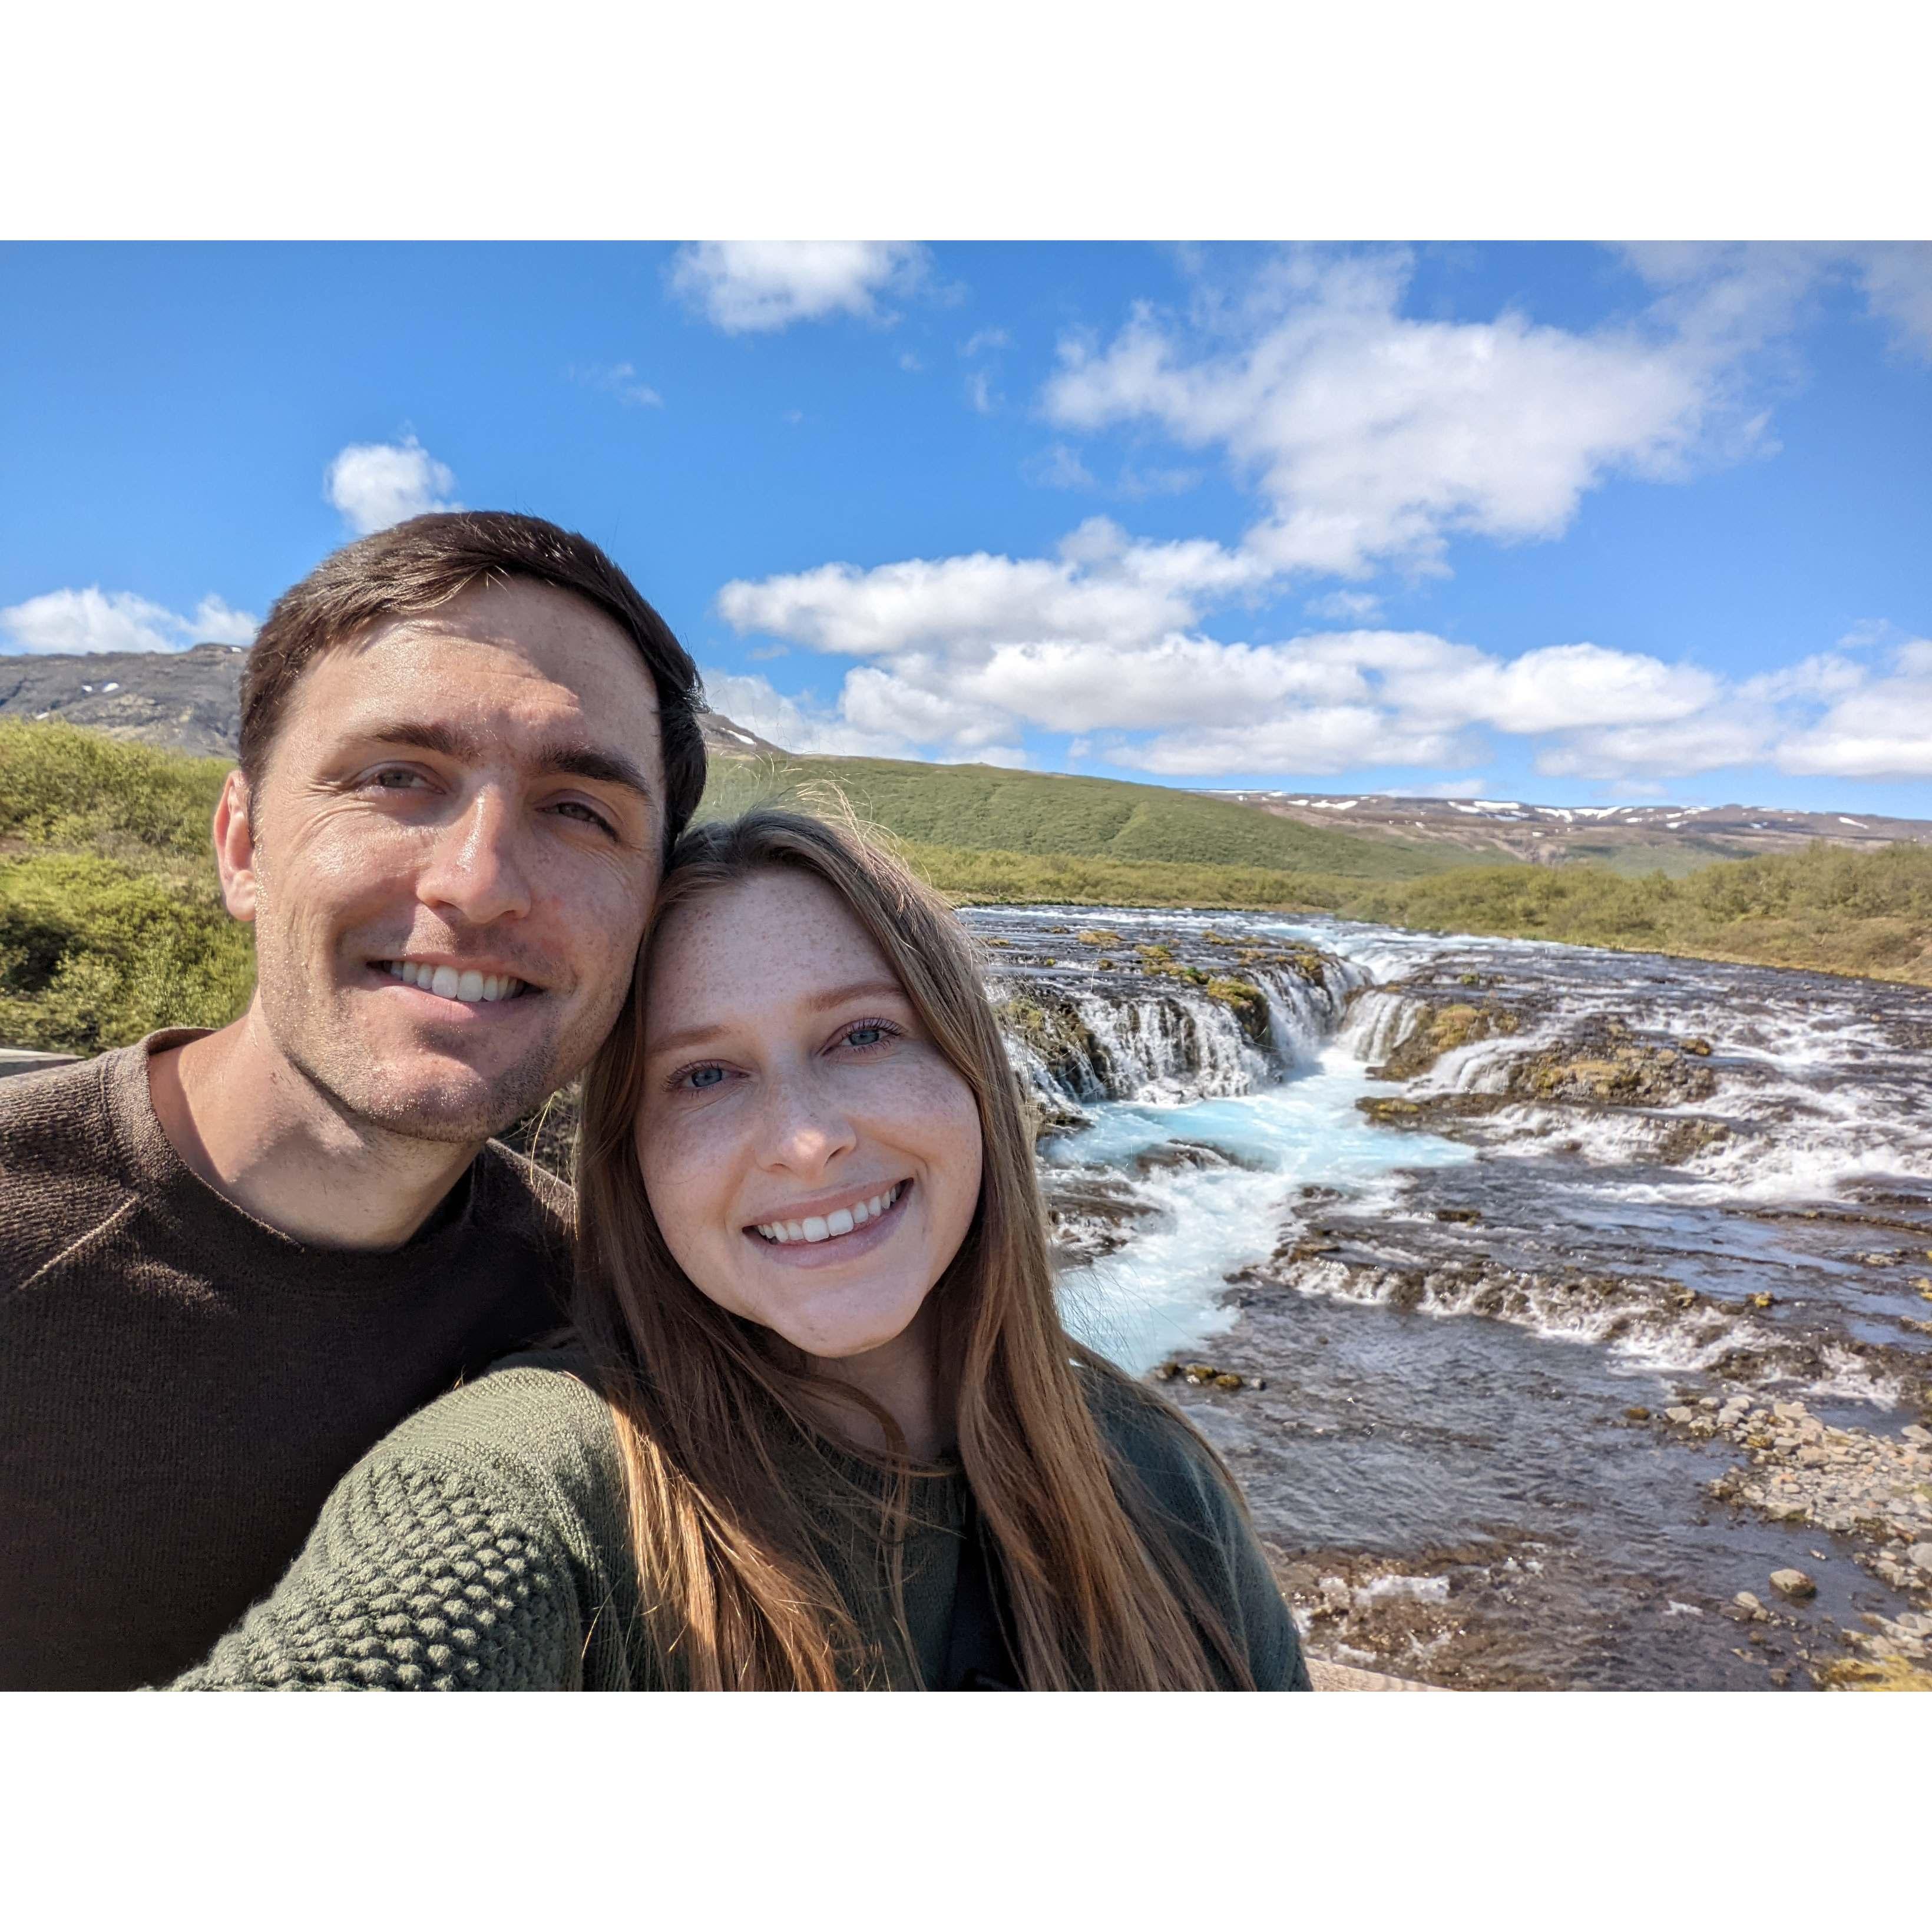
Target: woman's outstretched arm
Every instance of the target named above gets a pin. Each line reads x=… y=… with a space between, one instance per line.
x=455 y=1556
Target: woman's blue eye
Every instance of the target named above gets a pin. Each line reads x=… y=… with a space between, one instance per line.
x=706 y=1076
x=865 y=1036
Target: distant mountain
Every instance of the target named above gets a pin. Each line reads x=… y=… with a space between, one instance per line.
x=1625 y=837
x=185 y=700
x=189 y=700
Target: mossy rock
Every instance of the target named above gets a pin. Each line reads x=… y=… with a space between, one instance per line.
x=1444 y=1030
x=1247 y=1002
x=1098 y=936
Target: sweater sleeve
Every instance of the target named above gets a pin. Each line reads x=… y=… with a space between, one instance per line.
x=1206 y=1517
x=425 y=1572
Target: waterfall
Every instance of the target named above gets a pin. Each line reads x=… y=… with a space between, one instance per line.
x=1378 y=1022
x=1167 y=1041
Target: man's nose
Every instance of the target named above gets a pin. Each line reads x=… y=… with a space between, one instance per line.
x=477 y=867
x=802 y=1129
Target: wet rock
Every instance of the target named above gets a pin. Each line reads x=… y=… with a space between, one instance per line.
x=1609 y=1071
x=1920 y=1556
x=1206 y=1375
x=1247 y=1003
x=1465 y=1215
x=1793 y=1583
x=1393 y=1113
x=1444 y=1029
x=1637 y=1413
x=1696 y=1044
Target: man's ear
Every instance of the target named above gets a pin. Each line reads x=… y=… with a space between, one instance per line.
x=234 y=847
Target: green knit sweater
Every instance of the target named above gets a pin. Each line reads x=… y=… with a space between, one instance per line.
x=485 y=1546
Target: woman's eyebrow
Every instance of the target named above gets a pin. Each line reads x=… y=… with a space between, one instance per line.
x=867 y=989
x=815 y=1003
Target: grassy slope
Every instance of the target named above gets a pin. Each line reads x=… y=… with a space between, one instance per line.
x=982 y=808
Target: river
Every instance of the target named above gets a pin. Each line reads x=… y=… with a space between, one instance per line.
x=1572 y=1294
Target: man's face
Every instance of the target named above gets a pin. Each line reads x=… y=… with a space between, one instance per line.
x=455 y=844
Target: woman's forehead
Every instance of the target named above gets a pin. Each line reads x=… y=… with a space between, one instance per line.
x=764 y=940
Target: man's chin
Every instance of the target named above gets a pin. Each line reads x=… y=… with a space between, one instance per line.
x=431 y=1096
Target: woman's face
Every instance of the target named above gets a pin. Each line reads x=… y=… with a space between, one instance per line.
x=811 y=1158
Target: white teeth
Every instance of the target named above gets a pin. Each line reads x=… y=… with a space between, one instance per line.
x=470 y=986
x=840 y=1221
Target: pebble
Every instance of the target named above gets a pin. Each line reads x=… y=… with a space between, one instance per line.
x=1920 y=1554
x=1793 y=1583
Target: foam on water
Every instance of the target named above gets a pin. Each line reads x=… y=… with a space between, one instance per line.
x=1162 y=1294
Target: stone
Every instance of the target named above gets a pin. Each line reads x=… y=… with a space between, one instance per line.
x=1920 y=1556
x=1793 y=1583
x=1679 y=1414
x=1916 y=1433
x=1637 y=1413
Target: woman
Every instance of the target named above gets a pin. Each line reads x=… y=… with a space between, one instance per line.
x=820 y=1427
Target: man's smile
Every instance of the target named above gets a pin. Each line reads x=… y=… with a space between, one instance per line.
x=453 y=985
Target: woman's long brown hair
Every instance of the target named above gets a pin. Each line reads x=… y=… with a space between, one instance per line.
x=711 y=1414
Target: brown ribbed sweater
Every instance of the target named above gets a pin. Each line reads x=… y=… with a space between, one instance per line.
x=182 y=1386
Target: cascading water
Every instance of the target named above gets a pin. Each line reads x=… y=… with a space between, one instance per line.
x=1471 y=1208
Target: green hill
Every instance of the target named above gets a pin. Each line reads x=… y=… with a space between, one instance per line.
x=985 y=809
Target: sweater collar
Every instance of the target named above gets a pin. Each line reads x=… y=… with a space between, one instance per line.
x=227 y=1237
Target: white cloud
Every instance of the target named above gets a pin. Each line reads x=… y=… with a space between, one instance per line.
x=1372 y=436
x=215 y=622
x=1881 y=728
x=1346 y=607
x=874 y=718
x=747 y=287
x=375 y=484
x=1102 y=586
x=1058 y=468
x=1897 y=279
x=793 y=726
x=620 y=378
x=68 y=622
x=984 y=339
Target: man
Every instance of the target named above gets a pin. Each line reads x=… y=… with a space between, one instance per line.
x=231 y=1261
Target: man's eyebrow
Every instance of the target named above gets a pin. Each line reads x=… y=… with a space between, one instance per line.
x=818 y=1003
x=571 y=760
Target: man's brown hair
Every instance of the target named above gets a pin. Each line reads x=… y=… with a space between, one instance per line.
x=417 y=565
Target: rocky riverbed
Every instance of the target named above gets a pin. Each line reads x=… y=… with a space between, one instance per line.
x=1556 y=1300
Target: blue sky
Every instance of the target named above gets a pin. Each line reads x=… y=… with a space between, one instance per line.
x=1554 y=521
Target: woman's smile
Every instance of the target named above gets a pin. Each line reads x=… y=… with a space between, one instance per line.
x=830 y=1229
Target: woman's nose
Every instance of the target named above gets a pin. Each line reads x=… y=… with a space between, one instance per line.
x=801 y=1128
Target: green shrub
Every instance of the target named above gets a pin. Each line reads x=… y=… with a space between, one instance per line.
x=62 y=786
x=94 y=954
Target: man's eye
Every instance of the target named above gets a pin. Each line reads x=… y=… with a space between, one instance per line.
x=396 y=780
x=584 y=814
